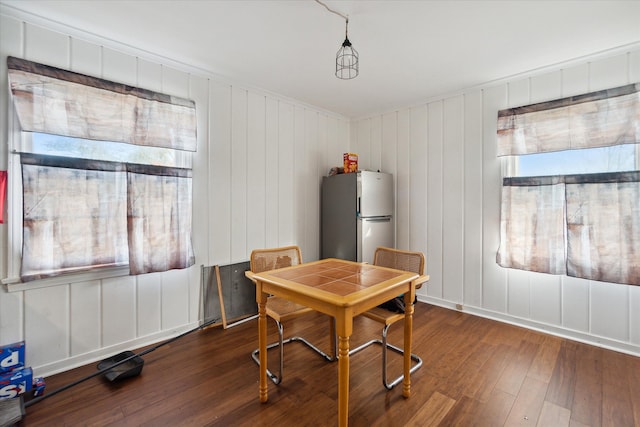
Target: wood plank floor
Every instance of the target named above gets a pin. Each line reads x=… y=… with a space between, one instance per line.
x=476 y=372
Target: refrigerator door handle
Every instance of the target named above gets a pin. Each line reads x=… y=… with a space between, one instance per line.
x=378 y=219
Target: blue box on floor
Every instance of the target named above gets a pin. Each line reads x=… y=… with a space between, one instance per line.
x=15 y=382
x=11 y=356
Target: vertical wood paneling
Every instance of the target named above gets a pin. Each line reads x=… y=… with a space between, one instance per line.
x=418 y=136
x=311 y=190
x=46 y=325
x=175 y=298
x=546 y=298
x=175 y=82
x=389 y=132
x=634 y=315
x=609 y=72
x=118 y=310
x=256 y=171
x=300 y=185
x=519 y=92
x=452 y=199
x=219 y=196
x=575 y=80
x=473 y=199
x=389 y=143
x=336 y=143
x=634 y=66
x=119 y=67
x=610 y=310
x=546 y=87
x=402 y=180
x=272 y=166
x=238 y=174
x=494 y=291
x=86 y=58
x=518 y=293
x=363 y=144
x=321 y=150
x=376 y=143
x=85 y=320
x=199 y=92
x=11 y=305
x=46 y=46
x=286 y=177
x=575 y=304
x=149 y=304
x=435 y=188
x=150 y=77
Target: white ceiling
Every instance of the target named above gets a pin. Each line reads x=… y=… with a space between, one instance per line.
x=410 y=51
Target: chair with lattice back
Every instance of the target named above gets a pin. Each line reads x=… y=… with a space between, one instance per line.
x=281 y=310
x=392 y=311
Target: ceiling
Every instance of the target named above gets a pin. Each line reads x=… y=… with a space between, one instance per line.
x=410 y=51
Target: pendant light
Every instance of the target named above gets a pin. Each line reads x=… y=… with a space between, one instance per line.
x=347 y=64
x=347 y=58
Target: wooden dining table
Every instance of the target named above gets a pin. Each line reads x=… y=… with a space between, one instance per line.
x=342 y=289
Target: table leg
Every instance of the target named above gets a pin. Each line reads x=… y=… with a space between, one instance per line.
x=261 y=298
x=408 y=327
x=344 y=327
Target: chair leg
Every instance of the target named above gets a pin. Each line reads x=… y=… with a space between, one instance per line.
x=280 y=344
x=385 y=346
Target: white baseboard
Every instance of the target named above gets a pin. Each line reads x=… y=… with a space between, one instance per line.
x=101 y=354
x=598 y=341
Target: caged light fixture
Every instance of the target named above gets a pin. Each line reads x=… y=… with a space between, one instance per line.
x=347 y=64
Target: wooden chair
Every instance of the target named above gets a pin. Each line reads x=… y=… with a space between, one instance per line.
x=281 y=310
x=399 y=260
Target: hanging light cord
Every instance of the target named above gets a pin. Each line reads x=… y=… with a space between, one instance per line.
x=333 y=11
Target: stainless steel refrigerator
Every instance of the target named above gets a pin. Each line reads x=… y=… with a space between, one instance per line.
x=357 y=215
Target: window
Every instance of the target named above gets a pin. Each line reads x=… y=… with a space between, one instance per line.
x=89 y=203
x=571 y=192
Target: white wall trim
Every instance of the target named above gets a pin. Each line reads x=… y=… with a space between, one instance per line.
x=607 y=343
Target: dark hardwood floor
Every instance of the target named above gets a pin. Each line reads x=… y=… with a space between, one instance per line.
x=476 y=372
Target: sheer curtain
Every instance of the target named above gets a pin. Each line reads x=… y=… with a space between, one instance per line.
x=587 y=225
x=82 y=214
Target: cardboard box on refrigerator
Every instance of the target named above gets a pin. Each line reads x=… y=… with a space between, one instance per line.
x=350 y=162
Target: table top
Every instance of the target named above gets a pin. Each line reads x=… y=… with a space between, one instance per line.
x=339 y=282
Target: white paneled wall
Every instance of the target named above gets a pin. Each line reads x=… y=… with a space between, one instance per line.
x=448 y=180
x=256 y=183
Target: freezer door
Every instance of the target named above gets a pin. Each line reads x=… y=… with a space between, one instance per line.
x=374 y=232
x=375 y=194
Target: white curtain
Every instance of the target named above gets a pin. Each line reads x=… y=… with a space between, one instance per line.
x=159 y=221
x=532 y=226
x=598 y=119
x=585 y=226
x=60 y=102
x=83 y=214
x=74 y=216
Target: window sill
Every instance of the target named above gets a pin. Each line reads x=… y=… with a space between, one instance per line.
x=14 y=284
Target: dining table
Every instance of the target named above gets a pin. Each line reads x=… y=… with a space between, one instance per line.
x=342 y=289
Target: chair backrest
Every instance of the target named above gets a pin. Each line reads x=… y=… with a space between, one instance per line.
x=399 y=259
x=272 y=258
